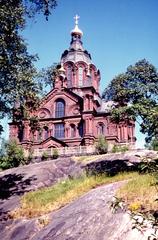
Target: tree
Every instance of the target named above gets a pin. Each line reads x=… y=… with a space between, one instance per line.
x=153 y=145
x=135 y=95
x=39 y=6
x=12 y=156
x=47 y=76
x=101 y=145
x=18 y=88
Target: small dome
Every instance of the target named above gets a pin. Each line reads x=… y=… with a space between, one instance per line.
x=61 y=69
x=76 y=30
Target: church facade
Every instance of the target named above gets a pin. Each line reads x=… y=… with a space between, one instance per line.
x=73 y=112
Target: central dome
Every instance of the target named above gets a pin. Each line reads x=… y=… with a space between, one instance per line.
x=75 y=56
x=76 y=52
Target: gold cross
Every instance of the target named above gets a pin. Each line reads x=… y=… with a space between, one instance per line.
x=76 y=19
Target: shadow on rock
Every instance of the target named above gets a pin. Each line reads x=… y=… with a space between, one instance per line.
x=110 y=167
x=14 y=184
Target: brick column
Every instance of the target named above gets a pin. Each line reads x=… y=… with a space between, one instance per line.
x=87 y=125
x=125 y=133
x=77 y=130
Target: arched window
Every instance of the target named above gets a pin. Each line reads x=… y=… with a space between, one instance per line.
x=91 y=74
x=81 y=128
x=46 y=132
x=88 y=102
x=69 y=76
x=59 y=130
x=21 y=133
x=73 y=131
x=80 y=76
x=60 y=108
x=39 y=135
x=101 y=130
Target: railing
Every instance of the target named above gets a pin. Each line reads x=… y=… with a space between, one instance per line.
x=75 y=151
x=78 y=150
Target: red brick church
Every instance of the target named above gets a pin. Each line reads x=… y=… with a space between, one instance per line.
x=73 y=112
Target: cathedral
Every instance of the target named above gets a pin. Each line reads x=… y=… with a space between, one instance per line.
x=73 y=112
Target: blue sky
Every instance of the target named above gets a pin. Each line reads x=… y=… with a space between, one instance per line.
x=117 y=33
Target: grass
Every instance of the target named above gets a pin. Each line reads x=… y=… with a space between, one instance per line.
x=140 y=193
x=40 y=202
x=90 y=158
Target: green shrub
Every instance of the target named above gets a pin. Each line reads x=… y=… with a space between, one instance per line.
x=150 y=166
x=153 y=145
x=2 y=147
x=44 y=156
x=101 y=145
x=30 y=156
x=117 y=148
x=13 y=155
x=55 y=153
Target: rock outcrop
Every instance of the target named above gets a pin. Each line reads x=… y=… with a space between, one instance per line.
x=16 y=181
x=88 y=217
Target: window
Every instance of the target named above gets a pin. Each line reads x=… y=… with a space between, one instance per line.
x=39 y=135
x=73 y=131
x=89 y=102
x=60 y=108
x=100 y=129
x=80 y=128
x=59 y=130
x=21 y=133
x=46 y=132
x=91 y=73
x=80 y=76
x=69 y=76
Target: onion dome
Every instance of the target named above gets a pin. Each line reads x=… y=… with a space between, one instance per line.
x=76 y=52
x=61 y=71
x=76 y=30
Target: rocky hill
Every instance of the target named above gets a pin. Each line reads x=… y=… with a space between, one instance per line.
x=88 y=217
